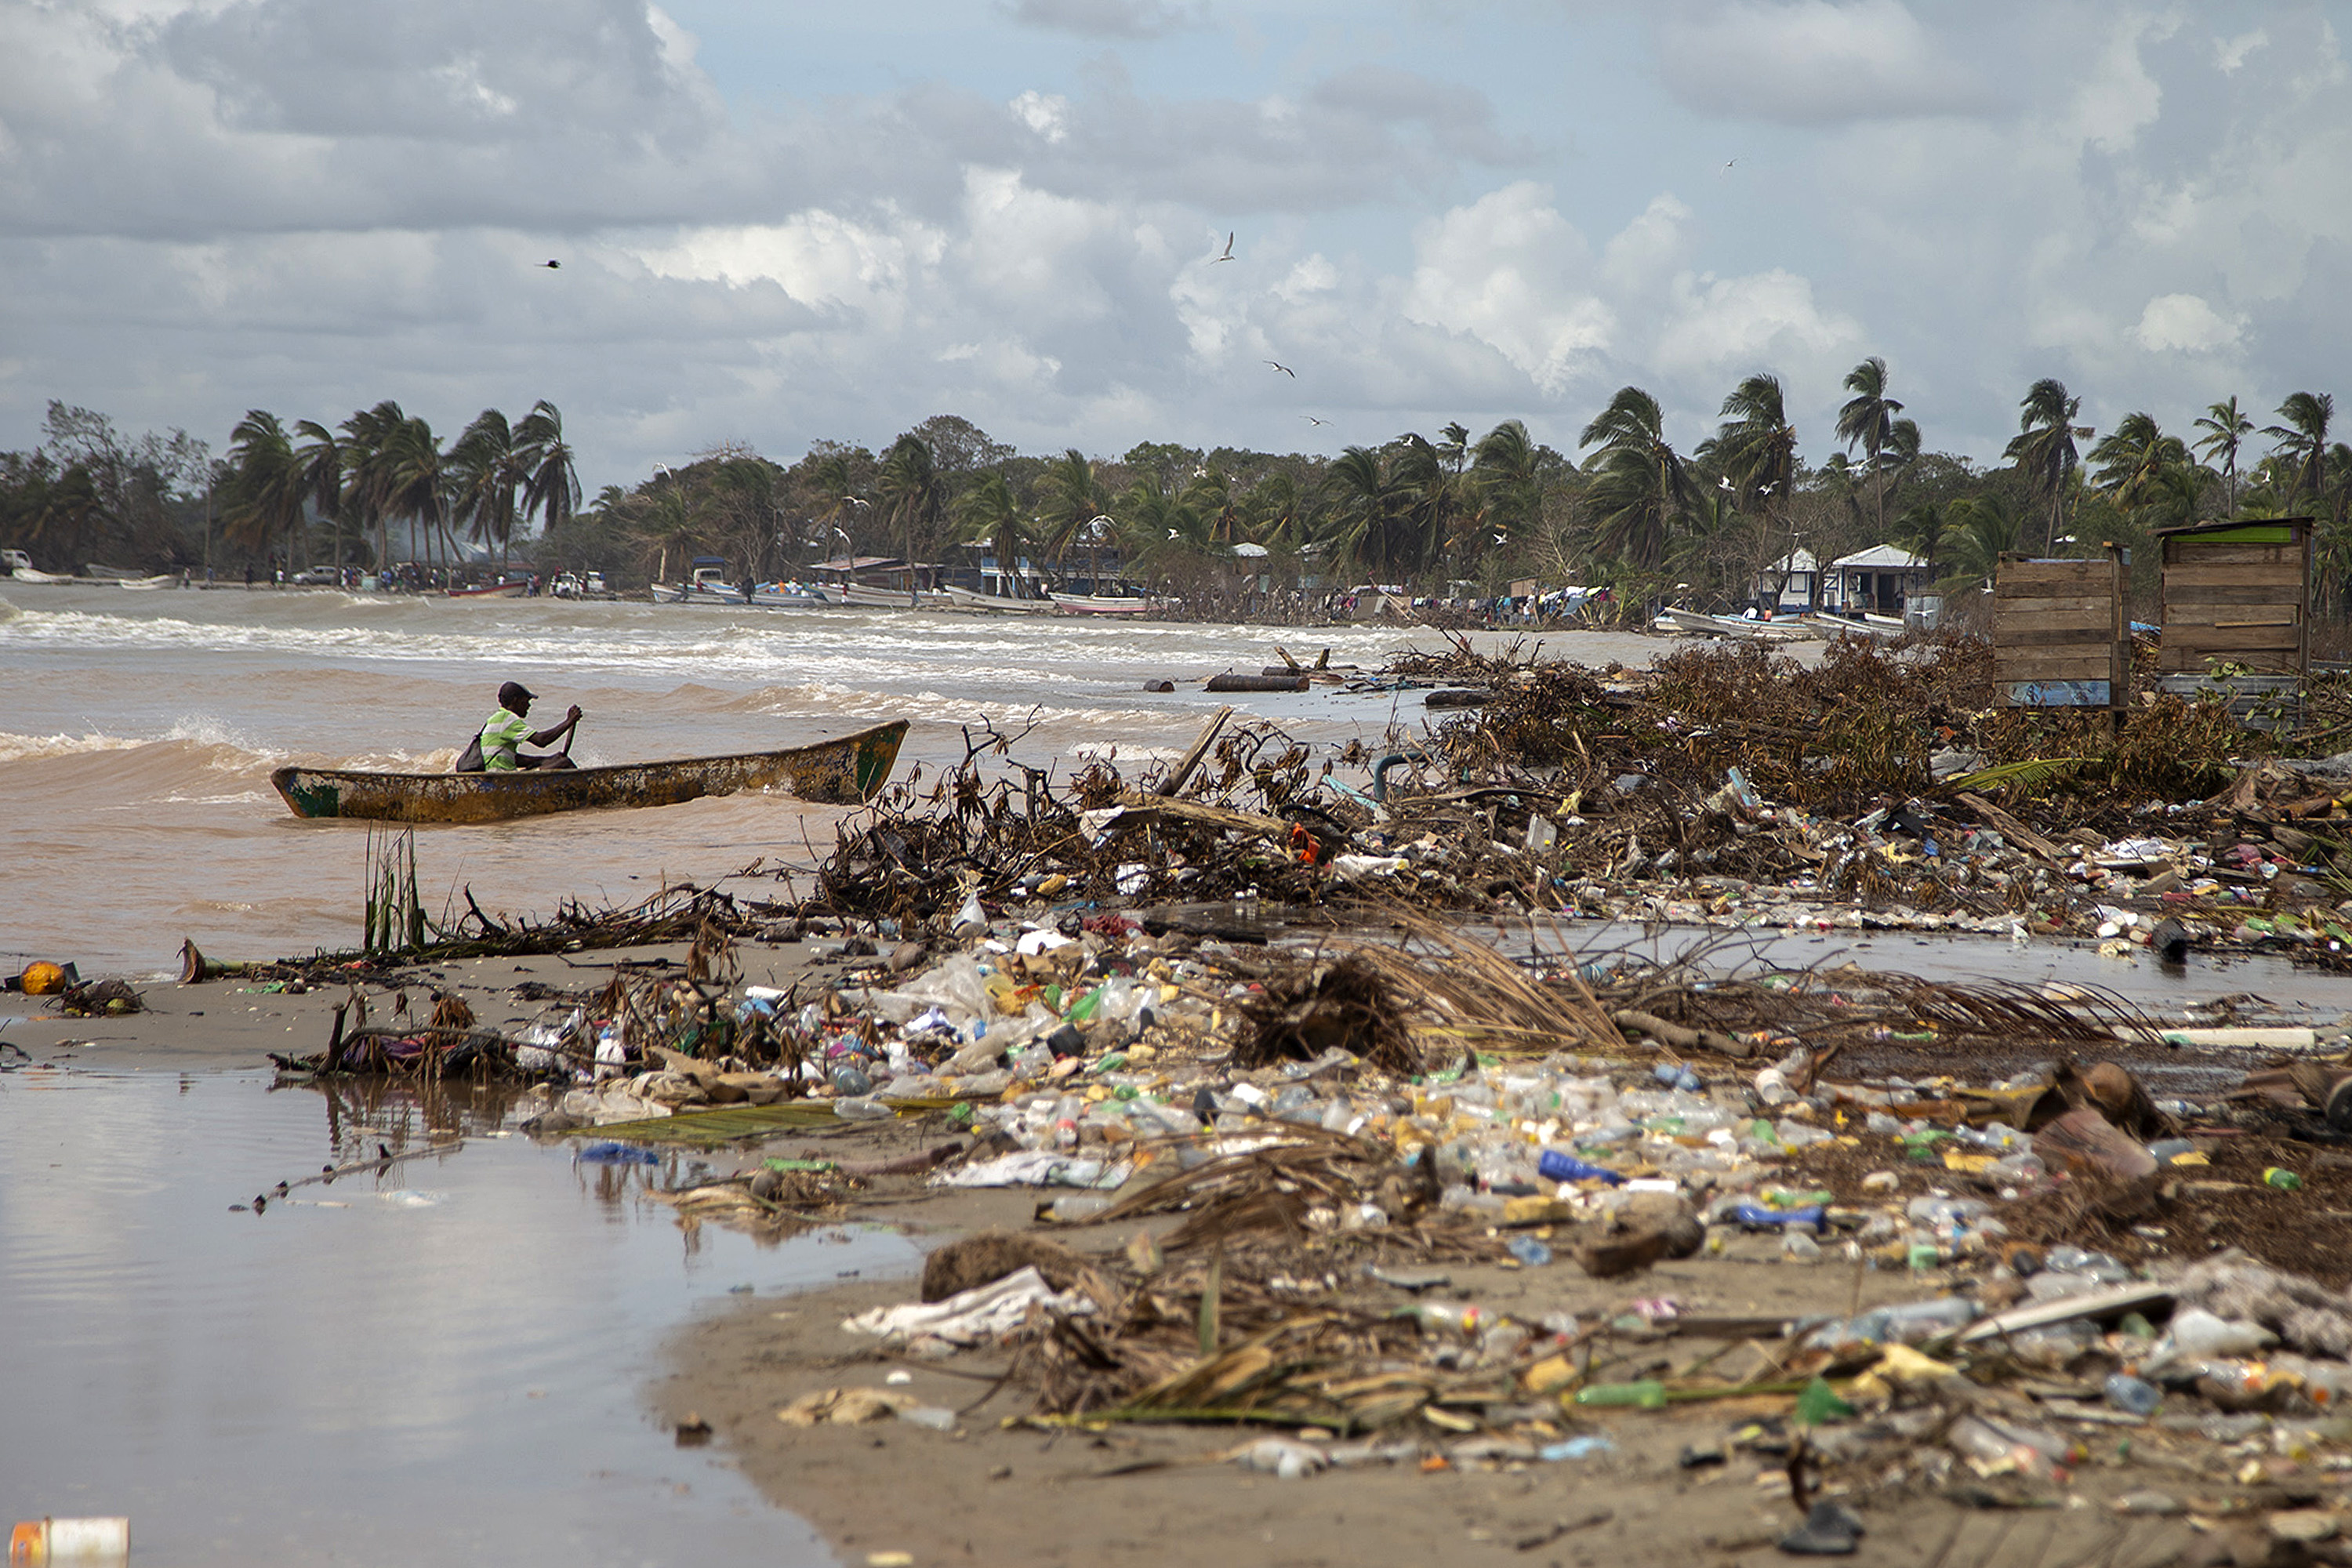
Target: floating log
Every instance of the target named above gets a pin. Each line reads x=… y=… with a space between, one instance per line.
x=1257 y=683
x=1458 y=696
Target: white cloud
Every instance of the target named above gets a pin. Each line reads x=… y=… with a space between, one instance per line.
x=1510 y=270
x=2229 y=54
x=1109 y=18
x=1813 y=62
x=1047 y=115
x=2184 y=322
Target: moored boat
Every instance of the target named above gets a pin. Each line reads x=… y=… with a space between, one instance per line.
x=1834 y=626
x=974 y=599
x=787 y=597
x=1695 y=622
x=1102 y=604
x=841 y=772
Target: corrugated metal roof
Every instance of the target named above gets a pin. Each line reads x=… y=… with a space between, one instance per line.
x=1879 y=558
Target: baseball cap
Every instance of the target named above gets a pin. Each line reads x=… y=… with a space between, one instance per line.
x=512 y=692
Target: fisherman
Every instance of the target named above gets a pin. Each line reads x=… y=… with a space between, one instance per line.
x=510 y=728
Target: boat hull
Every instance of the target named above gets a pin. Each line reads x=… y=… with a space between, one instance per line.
x=840 y=772
x=1100 y=604
x=972 y=599
x=491 y=591
x=1738 y=627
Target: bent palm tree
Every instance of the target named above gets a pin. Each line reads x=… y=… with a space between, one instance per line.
x=2303 y=442
x=488 y=471
x=2044 y=448
x=910 y=492
x=991 y=517
x=1867 y=419
x=2227 y=428
x=1070 y=495
x=2133 y=461
x=551 y=483
x=266 y=495
x=1640 y=486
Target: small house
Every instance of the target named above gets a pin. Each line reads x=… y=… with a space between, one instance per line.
x=1789 y=583
x=1877 y=581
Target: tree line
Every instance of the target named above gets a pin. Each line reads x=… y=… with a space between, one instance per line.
x=1451 y=513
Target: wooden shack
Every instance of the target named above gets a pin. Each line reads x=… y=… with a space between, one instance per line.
x=2058 y=634
x=2238 y=593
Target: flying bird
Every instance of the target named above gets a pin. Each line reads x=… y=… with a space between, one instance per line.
x=1723 y=483
x=1726 y=167
x=1228 y=256
x=1312 y=420
x=550 y=264
x=1172 y=533
x=1502 y=538
x=1284 y=369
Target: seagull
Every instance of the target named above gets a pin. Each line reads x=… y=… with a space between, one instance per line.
x=550 y=264
x=1502 y=538
x=1723 y=483
x=1726 y=167
x=1312 y=420
x=1284 y=369
x=1172 y=533
x=1228 y=256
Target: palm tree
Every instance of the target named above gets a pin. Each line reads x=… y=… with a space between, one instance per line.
x=910 y=492
x=2227 y=427
x=267 y=495
x=1070 y=495
x=991 y=517
x=2133 y=459
x=2303 y=442
x=2043 y=449
x=367 y=468
x=1867 y=420
x=1925 y=529
x=489 y=470
x=321 y=457
x=413 y=476
x=551 y=485
x=1982 y=529
x=1640 y=486
x=1362 y=524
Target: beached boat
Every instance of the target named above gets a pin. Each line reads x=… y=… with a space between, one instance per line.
x=840 y=772
x=1693 y=622
x=787 y=597
x=492 y=590
x=974 y=599
x=1102 y=604
x=1847 y=626
x=149 y=585
x=29 y=574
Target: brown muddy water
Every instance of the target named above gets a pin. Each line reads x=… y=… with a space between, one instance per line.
x=442 y=1364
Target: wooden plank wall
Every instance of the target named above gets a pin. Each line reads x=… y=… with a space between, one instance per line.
x=2245 y=604
x=2058 y=621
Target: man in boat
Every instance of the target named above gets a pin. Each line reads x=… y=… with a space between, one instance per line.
x=510 y=728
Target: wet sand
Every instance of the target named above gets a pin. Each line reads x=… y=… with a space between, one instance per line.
x=992 y=1492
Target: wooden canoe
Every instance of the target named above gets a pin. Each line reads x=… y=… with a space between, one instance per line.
x=839 y=772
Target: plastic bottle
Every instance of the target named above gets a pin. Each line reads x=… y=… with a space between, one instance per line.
x=2197 y=1335
x=1756 y=1216
x=2128 y=1393
x=1554 y=1166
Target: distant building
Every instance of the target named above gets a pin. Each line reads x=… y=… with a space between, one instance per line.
x=1788 y=584
x=1879 y=580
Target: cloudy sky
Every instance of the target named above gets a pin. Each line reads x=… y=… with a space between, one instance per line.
x=781 y=222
